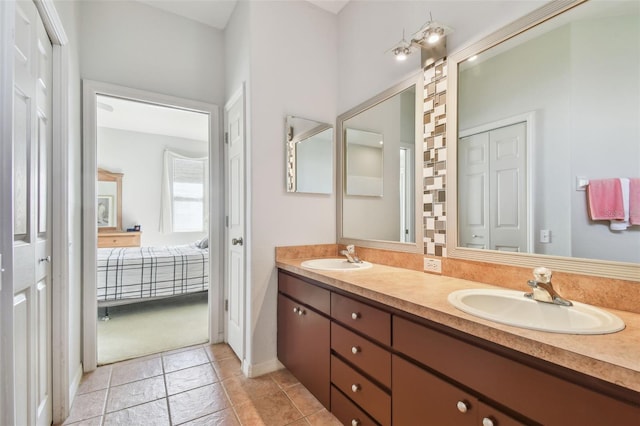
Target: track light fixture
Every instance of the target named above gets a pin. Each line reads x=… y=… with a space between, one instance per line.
x=430 y=33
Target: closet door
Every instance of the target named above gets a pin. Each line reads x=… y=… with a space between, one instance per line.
x=31 y=218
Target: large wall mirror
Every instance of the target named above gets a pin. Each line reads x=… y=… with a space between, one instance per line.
x=309 y=148
x=537 y=110
x=380 y=169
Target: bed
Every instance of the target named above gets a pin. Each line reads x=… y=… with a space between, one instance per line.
x=135 y=274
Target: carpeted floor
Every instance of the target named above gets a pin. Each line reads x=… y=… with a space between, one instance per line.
x=150 y=327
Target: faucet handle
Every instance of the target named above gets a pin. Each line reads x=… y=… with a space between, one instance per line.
x=351 y=248
x=542 y=274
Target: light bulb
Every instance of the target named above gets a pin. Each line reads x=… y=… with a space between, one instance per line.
x=401 y=56
x=433 y=38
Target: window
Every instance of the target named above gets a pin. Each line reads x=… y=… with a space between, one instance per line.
x=184 y=206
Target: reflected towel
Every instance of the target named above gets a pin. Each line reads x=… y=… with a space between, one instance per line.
x=605 y=199
x=634 y=201
x=621 y=225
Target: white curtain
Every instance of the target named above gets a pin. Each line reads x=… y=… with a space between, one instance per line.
x=185 y=183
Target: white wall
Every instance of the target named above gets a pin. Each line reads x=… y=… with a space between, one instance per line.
x=293 y=72
x=135 y=45
x=121 y=151
x=68 y=12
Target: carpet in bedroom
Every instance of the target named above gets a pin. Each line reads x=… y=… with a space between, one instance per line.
x=150 y=327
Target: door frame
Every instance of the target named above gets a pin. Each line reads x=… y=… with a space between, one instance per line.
x=90 y=89
x=61 y=392
x=530 y=119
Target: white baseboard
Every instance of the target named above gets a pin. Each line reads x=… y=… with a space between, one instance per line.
x=75 y=384
x=255 y=370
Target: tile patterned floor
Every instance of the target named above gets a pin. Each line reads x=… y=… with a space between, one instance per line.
x=199 y=385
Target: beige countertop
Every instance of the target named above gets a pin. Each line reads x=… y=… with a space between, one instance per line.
x=613 y=357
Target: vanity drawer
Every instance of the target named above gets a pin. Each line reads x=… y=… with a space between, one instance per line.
x=361 y=390
x=308 y=294
x=367 y=356
x=364 y=318
x=347 y=412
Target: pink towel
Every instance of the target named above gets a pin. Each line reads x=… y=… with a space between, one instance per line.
x=605 y=199
x=634 y=201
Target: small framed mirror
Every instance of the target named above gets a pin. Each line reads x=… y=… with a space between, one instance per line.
x=309 y=150
x=109 y=201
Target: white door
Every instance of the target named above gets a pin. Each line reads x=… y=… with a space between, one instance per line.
x=492 y=189
x=235 y=236
x=32 y=270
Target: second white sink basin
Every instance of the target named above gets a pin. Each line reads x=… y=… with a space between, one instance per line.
x=512 y=308
x=335 y=265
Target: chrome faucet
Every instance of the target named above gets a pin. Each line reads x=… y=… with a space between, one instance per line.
x=350 y=253
x=543 y=289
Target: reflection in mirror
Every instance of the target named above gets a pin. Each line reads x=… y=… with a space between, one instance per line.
x=378 y=182
x=109 y=201
x=535 y=114
x=364 y=154
x=309 y=156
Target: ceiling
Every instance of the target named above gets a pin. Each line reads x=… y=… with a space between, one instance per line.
x=216 y=13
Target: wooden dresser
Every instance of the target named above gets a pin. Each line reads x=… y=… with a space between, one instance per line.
x=118 y=239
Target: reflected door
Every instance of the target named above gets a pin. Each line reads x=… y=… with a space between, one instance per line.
x=31 y=173
x=492 y=199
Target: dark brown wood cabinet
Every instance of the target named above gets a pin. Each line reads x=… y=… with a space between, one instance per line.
x=304 y=342
x=372 y=364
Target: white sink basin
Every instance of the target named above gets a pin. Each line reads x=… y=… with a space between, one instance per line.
x=335 y=265
x=512 y=308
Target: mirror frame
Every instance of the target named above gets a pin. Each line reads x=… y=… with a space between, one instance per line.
x=583 y=266
x=107 y=176
x=418 y=245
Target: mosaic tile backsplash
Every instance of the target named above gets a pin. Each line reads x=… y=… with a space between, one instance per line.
x=435 y=158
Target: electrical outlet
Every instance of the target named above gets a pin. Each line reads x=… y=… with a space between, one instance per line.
x=432 y=265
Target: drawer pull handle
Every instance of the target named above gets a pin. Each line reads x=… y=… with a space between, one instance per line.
x=355 y=315
x=487 y=422
x=355 y=388
x=355 y=349
x=462 y=406
x=355 y=422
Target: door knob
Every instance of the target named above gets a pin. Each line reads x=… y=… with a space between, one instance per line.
x=237 y=241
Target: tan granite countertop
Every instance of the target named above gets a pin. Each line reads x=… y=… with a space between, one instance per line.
x=613 y=357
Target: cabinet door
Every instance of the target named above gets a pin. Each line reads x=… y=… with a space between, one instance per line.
x=304 y=345
x=421 y=398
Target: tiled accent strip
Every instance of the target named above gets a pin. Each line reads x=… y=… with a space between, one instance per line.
x=435 y=156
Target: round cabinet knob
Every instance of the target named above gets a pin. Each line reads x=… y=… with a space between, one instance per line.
x=355 y=350
x=355 y=315
x=462 y=406
x=355 y=388
x=487 y=421
x=301 y=311
x=295 y=310
x=355 y=422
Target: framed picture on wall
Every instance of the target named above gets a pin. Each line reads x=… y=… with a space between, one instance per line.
x=106 y=216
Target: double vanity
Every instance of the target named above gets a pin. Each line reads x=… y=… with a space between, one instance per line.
x=384 y=345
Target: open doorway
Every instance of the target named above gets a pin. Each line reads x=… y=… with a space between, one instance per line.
x=154 y=275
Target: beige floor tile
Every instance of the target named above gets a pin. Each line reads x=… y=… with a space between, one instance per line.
x=301 y=422
x=185 y=359
x=241 y=389
x=226 y=417
x=219 y=351
x=323 y=418
x=198 y=402
x=94 y=421
x=87 y=405
x=227 y=367
x=190 y=378
x=95 y=380
x=127 y=372
x=135 y=393
x=152 y=413
x=284 y=378
x=271 y=410
x=303 y=399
